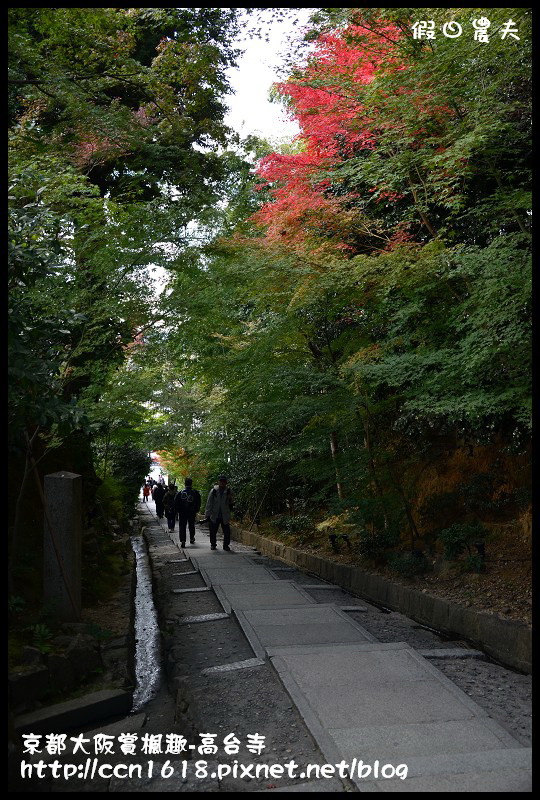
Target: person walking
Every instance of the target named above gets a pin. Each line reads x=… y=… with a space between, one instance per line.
x=168 y=505
x=145 y=493
x=187 y=503
x=219 y=505
x=159 y=494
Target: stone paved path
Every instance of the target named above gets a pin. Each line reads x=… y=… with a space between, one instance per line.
x=380 y=710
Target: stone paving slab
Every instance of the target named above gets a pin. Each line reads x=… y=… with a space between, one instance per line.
x=272 y=594
x=420 y=700
x=514 y=757
x=510 y=780
x=363 y=665
x=218 y=558
x=494 y=771
x=399 y=741
x=236 y=574
x=299 y=625
x=226 y=561
x=375 y=701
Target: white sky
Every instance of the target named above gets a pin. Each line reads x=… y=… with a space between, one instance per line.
x=250 y=109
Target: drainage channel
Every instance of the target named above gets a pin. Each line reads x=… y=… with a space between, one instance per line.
x=147 y=636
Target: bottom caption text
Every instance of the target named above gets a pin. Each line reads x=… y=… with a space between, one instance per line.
x=90 y=768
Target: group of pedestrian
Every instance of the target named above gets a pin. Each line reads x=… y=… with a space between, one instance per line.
x=150 y=485
x=185 y=504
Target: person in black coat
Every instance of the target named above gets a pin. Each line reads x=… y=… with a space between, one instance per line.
x=159 y=493
x=187 y=503
x=168 y=504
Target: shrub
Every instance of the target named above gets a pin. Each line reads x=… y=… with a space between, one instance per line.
x=129 y=465
x=477 y=493
x=474 y=564
x=374 y=544
x=41 y=636
x=299 y=523
x=459 y=537
x=439 y=507
x=16 y=604
x=292 y=525
x=408 y=564
x=110 y=495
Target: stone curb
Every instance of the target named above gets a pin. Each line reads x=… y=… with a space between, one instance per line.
x=507 y=641
x=82 y=711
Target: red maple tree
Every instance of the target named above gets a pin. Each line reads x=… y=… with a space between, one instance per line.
x=312 y=208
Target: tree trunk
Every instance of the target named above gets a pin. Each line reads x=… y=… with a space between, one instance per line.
x=334 y=450
x=372 y=465
x=406 y=506
x=19 y=506
x=17 y=524
x=423 y=217
x=106 y=455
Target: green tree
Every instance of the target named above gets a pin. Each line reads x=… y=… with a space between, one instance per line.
x=338 y=357
x=116 y=117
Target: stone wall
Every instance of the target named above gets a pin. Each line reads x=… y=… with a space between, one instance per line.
x=78 y=659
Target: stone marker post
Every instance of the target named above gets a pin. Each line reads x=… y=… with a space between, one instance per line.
x=62 y=544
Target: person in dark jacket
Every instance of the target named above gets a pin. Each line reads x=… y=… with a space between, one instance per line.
x=187 y=503
x=218 y=512
x=159 y=494
x=168 y=505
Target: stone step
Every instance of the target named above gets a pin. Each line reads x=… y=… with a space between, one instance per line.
x=202 y=618
x=248 y=662
x=452 y=652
